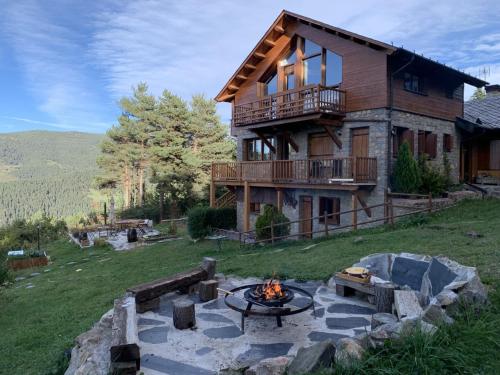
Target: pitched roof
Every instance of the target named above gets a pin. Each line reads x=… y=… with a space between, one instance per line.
x=485 y=113
x=278 y=26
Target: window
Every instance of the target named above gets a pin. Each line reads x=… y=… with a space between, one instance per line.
x=413 y=83
x=332 y=208
x=255 y=207
x=312 y=70
x=447 y=142
x=333 y=69
x=427 y=143
x=255 y=149
x=272 y=85
x=402 y=135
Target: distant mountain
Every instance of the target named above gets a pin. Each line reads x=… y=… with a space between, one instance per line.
x=42 y=171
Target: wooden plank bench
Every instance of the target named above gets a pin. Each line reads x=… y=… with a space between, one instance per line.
x=344 y=287
x=147 y=295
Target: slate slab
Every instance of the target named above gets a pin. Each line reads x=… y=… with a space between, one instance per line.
x=155 y=335
x=204 y=350
x=347 y=308
x=406 y=271
x=258 y=352
x=229 y=332
x=346 y=323
x=211 y=317
x=439 y=276
x=149 y=322
x=215 y=304
x=311 y=359
x=318 y=336
x=319 y=312
x=170 y=367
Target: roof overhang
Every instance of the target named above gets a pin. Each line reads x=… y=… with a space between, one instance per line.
x=265 y=44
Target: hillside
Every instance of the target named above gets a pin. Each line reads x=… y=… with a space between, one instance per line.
x=47 y=172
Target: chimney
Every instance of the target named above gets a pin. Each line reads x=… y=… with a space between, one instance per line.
x=492 y=90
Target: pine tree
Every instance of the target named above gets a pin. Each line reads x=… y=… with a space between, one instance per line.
x=406 y=173
x=479 y=94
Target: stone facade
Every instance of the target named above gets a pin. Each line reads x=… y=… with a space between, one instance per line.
x=377 y=121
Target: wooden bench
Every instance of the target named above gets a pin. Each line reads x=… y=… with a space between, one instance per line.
x=147 y=296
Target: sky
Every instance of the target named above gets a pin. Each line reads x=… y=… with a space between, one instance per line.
x=64 y=64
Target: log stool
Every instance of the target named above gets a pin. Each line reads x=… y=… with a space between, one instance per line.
x=208 y=290
x=384 y=297
x=184 y=314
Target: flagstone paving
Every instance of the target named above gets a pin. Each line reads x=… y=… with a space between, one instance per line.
x=217 y=342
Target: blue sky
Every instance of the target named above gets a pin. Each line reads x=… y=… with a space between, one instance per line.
x=65 y=64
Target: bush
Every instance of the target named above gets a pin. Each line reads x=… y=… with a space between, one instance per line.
x=432 y=180
x=4 y=270
x=201 y=220
x=270 y=216
x=406 y=173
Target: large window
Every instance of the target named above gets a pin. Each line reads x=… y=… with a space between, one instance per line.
x=272 y=85
x=332 y=208
x=321 y=66
x=255 y=149
x=333 y=69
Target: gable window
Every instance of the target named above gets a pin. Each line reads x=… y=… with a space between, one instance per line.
x=427 y=144
x=256 y=150
x=271 y=86
x=332 y=208
x=413 y=83
x=447 y=142
x=320 y=66
x=333 y=69
x=402 y=135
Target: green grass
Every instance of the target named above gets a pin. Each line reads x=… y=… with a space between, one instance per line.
x=38 y=324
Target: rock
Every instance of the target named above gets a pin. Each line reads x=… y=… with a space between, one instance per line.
x=358 y=239
x=410 y=324
x=230 y=371
x=379 y=335
x=91 y=352
x=313 y=358
x=474 y=292
x=456 y=285
x=348 y=351
x=473 y=234
x=269 y=366
x=406 y=304
x=435 y=314
x=379 y=319
x=379 y=265
x=446 y=298
x=408 y=271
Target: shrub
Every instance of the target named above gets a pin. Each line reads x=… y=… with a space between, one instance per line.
x=406 y=173
x=4 y=270
x=270 y=216
x=432 y=180
x=201 y=220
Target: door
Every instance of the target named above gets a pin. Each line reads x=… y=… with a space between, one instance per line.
x=321 y=149
x=360 y=151
x=305 y=216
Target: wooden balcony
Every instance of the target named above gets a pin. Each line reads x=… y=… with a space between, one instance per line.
x=337 y=171
x=308 y=100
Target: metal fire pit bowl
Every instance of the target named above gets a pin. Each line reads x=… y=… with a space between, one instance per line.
x=276 y=307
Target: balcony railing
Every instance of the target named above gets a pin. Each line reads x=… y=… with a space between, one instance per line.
x=292 y=103
x=310 y=171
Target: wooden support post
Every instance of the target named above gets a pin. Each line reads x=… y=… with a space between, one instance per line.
x=384 y=297
x=184 y=314
x=430 y=202
x=272 y=232
x=326 y=223
x=212 y=193
x=386 y=207
x=208 y=290
x=391 y=211
x=354 y=211
x=279 y=199
x=246 y=207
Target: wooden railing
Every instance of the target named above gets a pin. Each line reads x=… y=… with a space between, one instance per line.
x=309 y=171
x=291 y=103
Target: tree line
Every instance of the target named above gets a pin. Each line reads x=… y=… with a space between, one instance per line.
x=162 y=147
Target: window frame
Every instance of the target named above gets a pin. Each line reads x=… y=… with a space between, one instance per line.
x=333 y=219
x=262 y=147
x=421 y=83
x=255 y=208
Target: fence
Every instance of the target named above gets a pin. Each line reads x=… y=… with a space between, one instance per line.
x=249 y=237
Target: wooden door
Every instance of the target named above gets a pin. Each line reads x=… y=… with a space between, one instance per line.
x=360 y=151
x=305 y=215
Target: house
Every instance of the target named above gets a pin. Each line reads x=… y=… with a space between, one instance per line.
x=319 y=113
x=480 y=128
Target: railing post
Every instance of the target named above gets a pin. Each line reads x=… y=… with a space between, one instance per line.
x=386 y=207
x=272 y=232
x=354 y=168
x=354 y=211
x=326 y=224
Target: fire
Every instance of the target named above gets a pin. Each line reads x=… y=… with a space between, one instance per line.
x=271 y=289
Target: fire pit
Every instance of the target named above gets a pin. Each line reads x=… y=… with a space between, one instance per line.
x=270 y=299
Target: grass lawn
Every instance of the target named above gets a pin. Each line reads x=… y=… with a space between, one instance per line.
x=38 y=324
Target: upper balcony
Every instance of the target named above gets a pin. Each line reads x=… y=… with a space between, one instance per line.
x=322 y=101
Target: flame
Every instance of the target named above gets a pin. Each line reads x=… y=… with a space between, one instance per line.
x=271 y=289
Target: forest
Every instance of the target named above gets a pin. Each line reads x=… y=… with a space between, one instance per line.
x=47 y=173
x=160 y=153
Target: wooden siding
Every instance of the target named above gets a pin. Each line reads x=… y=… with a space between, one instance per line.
x=434 y=103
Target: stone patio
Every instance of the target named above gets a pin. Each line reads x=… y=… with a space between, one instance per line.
x=218 y=342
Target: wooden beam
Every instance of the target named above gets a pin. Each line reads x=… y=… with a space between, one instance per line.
x=233 y=87
x=292 y=143
x=250 y=66
x=259 y=55
x=279 y=29
x=246 y=207
x=212 y=193
x=226 y=97
x=279 y=198
x=266 y=142
x=269 y=43
x=367 y=209
x=354 y=211
x=333 y=136
x=242 y=77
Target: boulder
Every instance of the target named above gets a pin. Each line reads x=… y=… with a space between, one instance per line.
x=411 y=324
x=407 y=304
x=408 y=271
x=348 y=351
x=231 y=371
x=379 y=265
x=446 y=298
x=91 y=352
x=474 y=292
x=313 y=358
x=269 y=366
x=435 y=314
x=379 y=319
x=437 y=276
